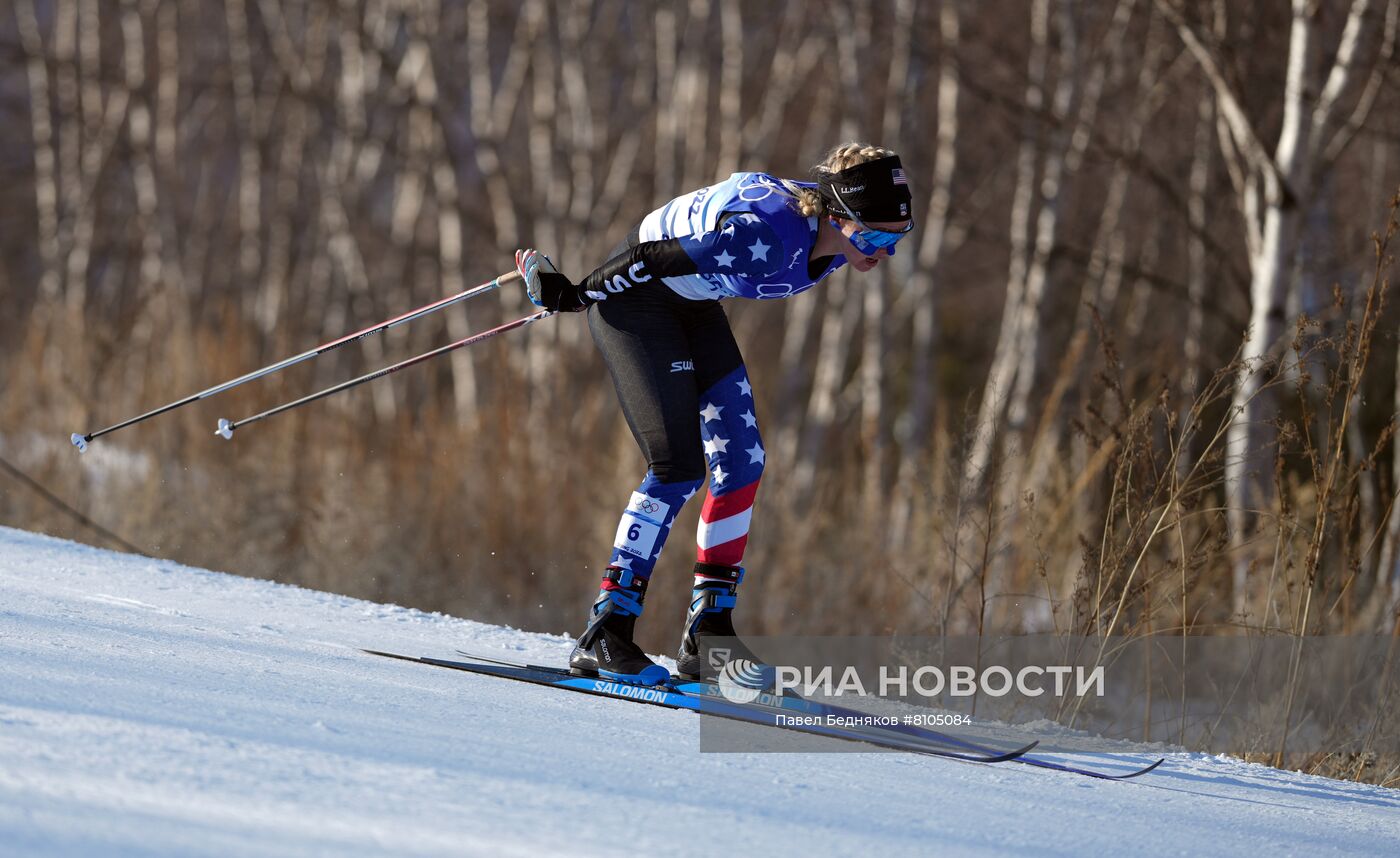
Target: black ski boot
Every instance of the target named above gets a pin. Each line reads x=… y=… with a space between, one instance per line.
x=709 y=642
x=606 y=649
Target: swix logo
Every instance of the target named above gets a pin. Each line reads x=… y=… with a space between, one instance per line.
x=636 y=275
x=682 y=366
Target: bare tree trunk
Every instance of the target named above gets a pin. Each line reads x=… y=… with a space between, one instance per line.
x=46 y=191
x=1139 y=301
x=689 y=115
x=1275 y=189
x=102 y=120
x=1388 y=569
x=1193 y=349
x=301 y=65
x=492 y=109
x=844 y=304
x=843 y=307
x=168 y=311
x=165 y=136
x=1105 y=277
x=1026 y=344
x=491 y=115
x=875 y=344
x=1001 y=375
x=450 y=244
x=798 y=50
x=619 y=178
x=70 y=139
x=543 y=227
x=581 y=189
x=249 y=160
x=1063 y=159
x=1386 y=587
x=359 y=71
x=1035 y=225
x=801 y=321
x=731 y=87
x=74 y=225
x=1104 y=274
x=667 y=120
x=348 y=260
x=913 y=425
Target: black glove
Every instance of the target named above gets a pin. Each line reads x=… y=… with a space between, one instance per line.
x=544 y=284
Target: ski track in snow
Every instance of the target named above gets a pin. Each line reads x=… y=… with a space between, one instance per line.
x=152 y=709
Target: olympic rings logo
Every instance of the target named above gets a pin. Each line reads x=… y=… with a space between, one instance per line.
x=777 y=290
x=758 y=184
x=648 y=505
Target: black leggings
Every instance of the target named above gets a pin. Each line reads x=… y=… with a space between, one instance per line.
x=681 y=382
x=663 y=351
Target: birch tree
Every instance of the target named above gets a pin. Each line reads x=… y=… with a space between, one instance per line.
x=912 y=426
x=1322 y=105
x=1061 y=104
x=1069 y=93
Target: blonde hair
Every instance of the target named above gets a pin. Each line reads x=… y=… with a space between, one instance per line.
x=843 y=157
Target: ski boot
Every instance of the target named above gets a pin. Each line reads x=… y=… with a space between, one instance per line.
x=606 y=649
x=709 y=642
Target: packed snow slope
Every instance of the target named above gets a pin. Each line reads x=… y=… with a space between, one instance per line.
x=148 y=708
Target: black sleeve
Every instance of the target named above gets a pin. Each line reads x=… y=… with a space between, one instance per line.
x=741 y=244
x=637 y=266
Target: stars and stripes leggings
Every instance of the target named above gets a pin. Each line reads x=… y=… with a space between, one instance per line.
x=682 y=385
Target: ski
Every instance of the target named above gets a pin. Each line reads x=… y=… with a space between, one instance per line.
x=799 y=704
x=809 y=707
x=670 y=698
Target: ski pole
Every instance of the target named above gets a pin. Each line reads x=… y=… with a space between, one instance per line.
x=226 y=427
x=81 y=441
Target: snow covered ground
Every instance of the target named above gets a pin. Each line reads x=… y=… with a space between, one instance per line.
x=148 y=708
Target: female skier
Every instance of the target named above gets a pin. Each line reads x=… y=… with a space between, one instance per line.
x=654 y=312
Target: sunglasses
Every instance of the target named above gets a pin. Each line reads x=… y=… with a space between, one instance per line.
x=868 y=240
